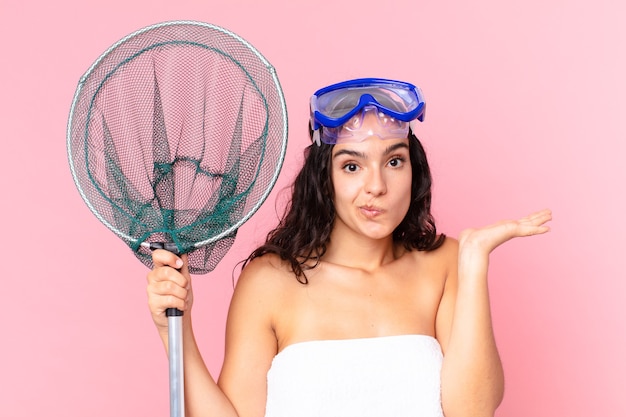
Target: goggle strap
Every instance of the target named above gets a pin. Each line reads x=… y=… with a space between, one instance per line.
x=413 y=125
x=316 y=137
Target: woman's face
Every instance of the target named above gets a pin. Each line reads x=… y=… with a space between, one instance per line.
x=372 y=182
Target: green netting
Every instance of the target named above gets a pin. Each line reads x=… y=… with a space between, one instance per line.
x=177 y=134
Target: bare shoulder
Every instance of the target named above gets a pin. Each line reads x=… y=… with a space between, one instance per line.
x=444 y=255
x=263 y=281
x=449 y=249
x=257 y=300
x=268 y=270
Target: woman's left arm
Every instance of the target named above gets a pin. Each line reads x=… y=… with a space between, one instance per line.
x=472 y=380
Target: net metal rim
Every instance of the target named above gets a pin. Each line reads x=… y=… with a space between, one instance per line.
x=283 y=109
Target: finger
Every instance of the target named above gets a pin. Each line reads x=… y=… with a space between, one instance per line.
x=158 y=304
x=533 y=229
x=166 y=294
x=538 y=218
x=165 y=276
x=162 y=257
x=168 y=288
x=546 y=213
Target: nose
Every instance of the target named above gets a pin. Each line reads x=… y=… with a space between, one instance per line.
x=375 y=183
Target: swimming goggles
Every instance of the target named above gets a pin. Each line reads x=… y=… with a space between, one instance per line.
x=340 y=109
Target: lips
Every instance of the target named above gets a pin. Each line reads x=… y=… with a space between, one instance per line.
x=371 y=211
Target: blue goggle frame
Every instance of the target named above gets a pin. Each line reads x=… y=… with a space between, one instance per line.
x=406 y=105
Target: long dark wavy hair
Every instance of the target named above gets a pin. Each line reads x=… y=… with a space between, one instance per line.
x=302 y=235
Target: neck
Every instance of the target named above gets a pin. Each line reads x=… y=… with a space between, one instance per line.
x=355 y=251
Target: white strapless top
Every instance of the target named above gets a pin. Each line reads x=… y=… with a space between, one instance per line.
x=396 y=376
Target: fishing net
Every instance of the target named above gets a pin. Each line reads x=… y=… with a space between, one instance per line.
x=176 y=135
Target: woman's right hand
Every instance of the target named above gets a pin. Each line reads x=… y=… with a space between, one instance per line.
x=169 y=286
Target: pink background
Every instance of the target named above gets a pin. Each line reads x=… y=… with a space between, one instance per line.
x=525 y=111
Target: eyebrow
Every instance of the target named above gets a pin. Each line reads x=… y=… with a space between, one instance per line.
x=357 y=154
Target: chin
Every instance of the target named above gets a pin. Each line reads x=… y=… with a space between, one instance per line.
x=378 y=234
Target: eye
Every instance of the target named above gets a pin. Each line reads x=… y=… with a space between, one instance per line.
x=396 y=162
x=350 y=167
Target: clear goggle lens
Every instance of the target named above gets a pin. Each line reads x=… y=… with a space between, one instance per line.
x=353 y=131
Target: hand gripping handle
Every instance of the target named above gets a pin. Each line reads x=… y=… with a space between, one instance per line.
x=175 y=345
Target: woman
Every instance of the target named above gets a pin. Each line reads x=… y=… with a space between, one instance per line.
x=354 y=306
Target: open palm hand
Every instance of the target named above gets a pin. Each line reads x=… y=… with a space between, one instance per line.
x=488 y=238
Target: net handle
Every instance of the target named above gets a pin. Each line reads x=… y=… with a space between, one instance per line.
x=176 y=364
x=175 y=347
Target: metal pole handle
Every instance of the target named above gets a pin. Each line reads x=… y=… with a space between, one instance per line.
x=175 y=345
x=177 y=376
